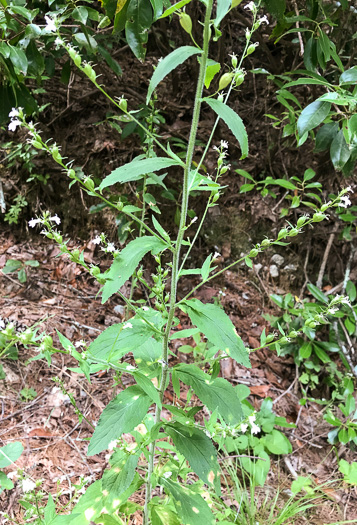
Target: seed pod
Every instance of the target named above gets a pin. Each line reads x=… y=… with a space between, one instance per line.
x=282 y=234
x=186 y=22
x=251 y=49
x=36 y=144
x=239 y=78
x=265 y=242
x=123 y=104
x=89 y=184
x=293 y=334
x=47 y=342
x=225 y=80
x=270 y=338
x=301 y=221
x=77 y=59
x=318 y=217
x=293 y=232
x=253 y=253
x=71 y=173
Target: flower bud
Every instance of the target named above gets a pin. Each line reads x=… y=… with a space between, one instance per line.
x=234 y=60
x=225 y=80
x=220 y=98
x=186 y=22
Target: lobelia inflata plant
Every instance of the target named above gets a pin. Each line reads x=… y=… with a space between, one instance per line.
x=162 y=443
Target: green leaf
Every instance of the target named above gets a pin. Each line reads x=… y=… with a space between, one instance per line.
x=223 y=6
x=351 y=291
x=320 y=296
x=233 y=121
x=349 y=470
x=339 y=151
x=277 y=443
x=283 y=183
x=5 y=482
x=160 y=229
x=161 y=515
x=199 y=451
x=139 y=18
x=127 y=261
x=216 y=394
x=136 y=169
x=121 y=415
x=10 y=453
x=312 y=116
x=113 y=64
x=276 y=8
x=212 y=69
x=325 y=136
x=119 y=477
x=148 y=387
x=18 y=59
x=147 y=355
x=349 y=76
x=32 y=263
x=215 y=324
x=50 y=511
x=168 y=64
x=308 y=81
x=191 y=507
x=11 y=266
x=174 y=8
x=22 y=275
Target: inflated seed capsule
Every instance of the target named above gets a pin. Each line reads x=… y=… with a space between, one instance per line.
x=225 y=80
x=301 y=221
x=89 y=184
x=251 y=49
x=293 y=333
x=47 y=342
x=318 y=217
x=238 y=78
x=123 y=104
x=283 y=233
x=270 y=338
x=186 y=22
x=265 y=242
x=293 y=232
x=253 y=253
x=36 y=144
x=71 y=174
x=284 y=340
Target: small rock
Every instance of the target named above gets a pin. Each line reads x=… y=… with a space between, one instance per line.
x=119 y=310
x=274 y=270
x=258 y=267
x=277 y=259
x=290 y=268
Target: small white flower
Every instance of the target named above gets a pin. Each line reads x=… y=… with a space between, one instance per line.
x=255 y=429
x=344 y=201
x=58 y=42
x=167 y=474
x=332 y=310
x=112 y=444
x=55 y=219
x=14 y=113
x=14 y=124
x=97 y=240
x=12 y=475
x=263 y=20
x=127 y=325
x=244 y=427
x=251 y=6
x=216 y=256
x=216 y=148
x=251 y=419
x=224 y=144
x=110 y=247
x=349 y=190
x=80 y=343
x=28 y=485
x=194 y=220
x=345 y=300
x=32 y=223
x=50 y=24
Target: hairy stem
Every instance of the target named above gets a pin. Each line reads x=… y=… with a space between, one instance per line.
x=176 y=253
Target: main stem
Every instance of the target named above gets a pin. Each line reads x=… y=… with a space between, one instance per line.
x=176 y=253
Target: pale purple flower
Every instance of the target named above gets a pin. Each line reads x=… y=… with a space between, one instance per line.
x=14 y=113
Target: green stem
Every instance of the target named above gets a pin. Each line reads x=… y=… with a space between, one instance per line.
x=176 y=252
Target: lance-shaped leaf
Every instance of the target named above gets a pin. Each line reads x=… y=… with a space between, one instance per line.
x=118 y=478
x=114 y=342
x=199 y=451
x=349 y=76
x=215 y=324
x=168 y=64
x=136 y=169
x=223 y=6
x=233 y=121
x=191 y=507
x=121 y=415
x=339 y=151
x=312 y=116
x=216 y=394
x=127 y=261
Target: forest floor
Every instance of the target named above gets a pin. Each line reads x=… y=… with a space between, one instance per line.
x=60 y=296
